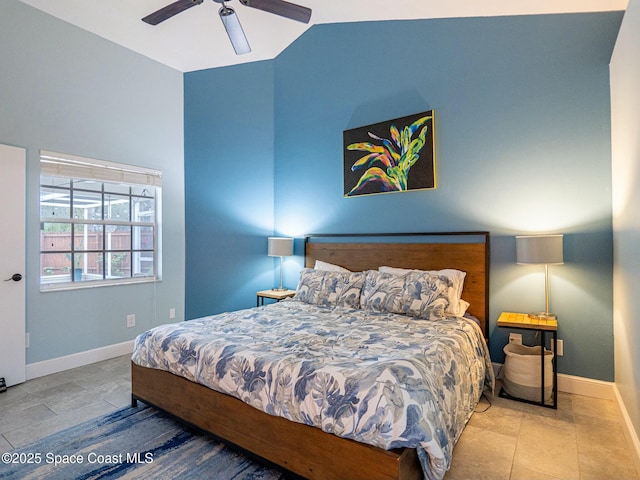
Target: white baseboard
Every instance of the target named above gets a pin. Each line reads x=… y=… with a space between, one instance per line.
x=55 y=365
x=629 y=431
x=585 y=386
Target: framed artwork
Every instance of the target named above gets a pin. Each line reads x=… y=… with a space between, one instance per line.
x=393 y=156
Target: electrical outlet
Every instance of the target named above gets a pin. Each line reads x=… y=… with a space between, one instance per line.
x=172 y=313
x=131 y=320
x=515 y=338
x=557 y=349
x=27 y=340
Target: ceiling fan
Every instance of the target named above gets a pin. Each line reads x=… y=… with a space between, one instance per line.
x=230 y=19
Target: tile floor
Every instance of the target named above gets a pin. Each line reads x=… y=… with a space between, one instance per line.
x=582 y=440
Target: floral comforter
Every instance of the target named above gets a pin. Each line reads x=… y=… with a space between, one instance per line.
x=379 y=378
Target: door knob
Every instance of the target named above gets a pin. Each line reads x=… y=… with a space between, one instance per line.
x=16 y=277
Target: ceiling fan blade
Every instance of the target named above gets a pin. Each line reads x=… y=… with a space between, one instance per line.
x=282 y=8
x=169 y=11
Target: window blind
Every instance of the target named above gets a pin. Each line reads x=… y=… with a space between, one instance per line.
x=72 y=166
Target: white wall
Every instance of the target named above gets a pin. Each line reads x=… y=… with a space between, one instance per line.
x=625 y=108
x=66 y=90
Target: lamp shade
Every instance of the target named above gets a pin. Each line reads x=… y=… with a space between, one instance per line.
x=280 y=247
x=539 y=249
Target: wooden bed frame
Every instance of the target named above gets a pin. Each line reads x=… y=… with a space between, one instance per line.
x=307 y=451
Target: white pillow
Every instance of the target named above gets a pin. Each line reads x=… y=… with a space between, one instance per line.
x=457 y=306
x=329 y=267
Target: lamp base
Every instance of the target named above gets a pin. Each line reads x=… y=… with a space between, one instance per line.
x=543 y=316
x=279 y=289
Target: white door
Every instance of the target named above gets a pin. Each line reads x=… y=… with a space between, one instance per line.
x=12 y=262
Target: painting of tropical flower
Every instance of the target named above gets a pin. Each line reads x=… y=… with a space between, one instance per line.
x=399 y=155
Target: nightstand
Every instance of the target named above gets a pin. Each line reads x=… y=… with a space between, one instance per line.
x=525 y=322
x=274 y=294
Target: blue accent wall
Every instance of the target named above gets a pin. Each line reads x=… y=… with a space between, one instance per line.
x=522 y=145
x=229 y=186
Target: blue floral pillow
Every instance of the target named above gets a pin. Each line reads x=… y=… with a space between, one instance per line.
x=342 y=289
x=309 y=285
x=425 y=295
x=381 y=292
x=322 y=287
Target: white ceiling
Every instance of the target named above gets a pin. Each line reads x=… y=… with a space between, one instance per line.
x=195 y=39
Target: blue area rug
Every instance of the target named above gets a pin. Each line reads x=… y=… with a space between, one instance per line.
x=132 y=443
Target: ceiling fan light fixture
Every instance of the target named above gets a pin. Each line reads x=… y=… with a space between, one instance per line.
x=234 y=30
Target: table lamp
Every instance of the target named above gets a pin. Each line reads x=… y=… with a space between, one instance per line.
x=540 y=250
x=280 y=247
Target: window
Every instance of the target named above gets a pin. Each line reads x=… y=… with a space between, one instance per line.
x=99 y=222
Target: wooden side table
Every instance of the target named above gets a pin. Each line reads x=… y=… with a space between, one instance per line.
x=276 y=295
x=525 y=322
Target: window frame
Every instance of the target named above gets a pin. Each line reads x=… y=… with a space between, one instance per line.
x=114 y=180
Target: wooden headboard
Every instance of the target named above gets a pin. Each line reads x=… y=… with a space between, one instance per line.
x=465 y=251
